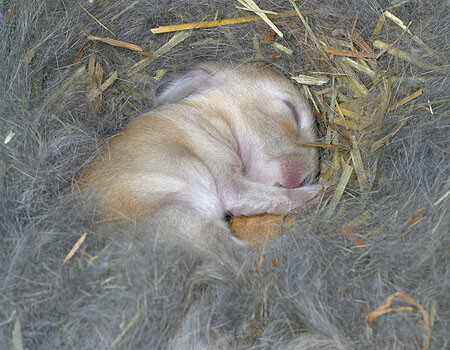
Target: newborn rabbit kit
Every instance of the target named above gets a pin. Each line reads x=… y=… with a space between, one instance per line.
x=224 y=139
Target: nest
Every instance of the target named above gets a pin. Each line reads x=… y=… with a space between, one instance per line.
x=368 y=80
x=351 y=95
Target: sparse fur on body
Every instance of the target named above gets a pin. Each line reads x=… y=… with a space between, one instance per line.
x=224 y=140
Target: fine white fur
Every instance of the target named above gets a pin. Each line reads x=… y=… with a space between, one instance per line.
x=223 y=140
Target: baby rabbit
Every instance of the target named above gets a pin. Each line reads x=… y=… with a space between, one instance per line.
x=222 y=140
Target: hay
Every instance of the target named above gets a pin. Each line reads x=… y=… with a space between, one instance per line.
x=377 y=77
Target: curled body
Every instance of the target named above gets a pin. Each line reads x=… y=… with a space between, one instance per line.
x=222 y=140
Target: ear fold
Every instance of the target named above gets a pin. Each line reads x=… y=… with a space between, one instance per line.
x=306 y=115
x=190 y=83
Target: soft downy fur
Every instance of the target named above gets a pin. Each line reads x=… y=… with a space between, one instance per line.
x=128 y=289
x=223 y=140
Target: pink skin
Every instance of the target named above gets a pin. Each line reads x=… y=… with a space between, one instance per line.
x=243 y=197
x=292 y=173
x=275 y=186
x=234 y=192
x=286 y=171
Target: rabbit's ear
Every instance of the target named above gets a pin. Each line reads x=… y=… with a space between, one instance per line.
x=190 y=83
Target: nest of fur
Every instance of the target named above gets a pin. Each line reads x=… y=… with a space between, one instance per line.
x=368 y=268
